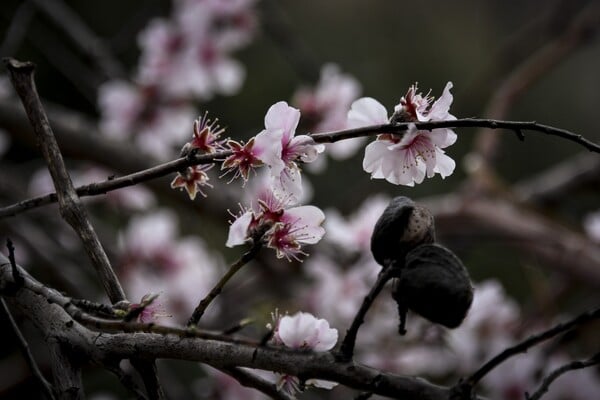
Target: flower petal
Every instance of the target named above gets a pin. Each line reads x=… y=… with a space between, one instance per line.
x=238 y=231
x=439 y=109
x=281 y=116
x=367 y=111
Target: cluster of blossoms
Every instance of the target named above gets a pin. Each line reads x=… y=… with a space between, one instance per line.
x=206 y=139
x=407 y=158
x=185 y=57
x=280 y=225
x=153 y=259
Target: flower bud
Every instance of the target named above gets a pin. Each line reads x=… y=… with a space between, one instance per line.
x=435 y=284
x=403 y=226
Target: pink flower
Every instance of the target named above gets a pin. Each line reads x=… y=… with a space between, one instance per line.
x=283 y=150
x=192 y=180
x=283 y=229
x=407 y=158
x=302 y=331
x=152 y=309
x=245 y=158
x=207 y=135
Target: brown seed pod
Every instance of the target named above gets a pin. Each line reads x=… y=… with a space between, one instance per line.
x=403 y=226
x=435 y=284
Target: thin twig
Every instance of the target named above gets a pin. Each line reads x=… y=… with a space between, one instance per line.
x=554 y=375
x=24 y=346
x=347 y=347
x=216 y=290
x=13 y=263
x=539 y=63
x=21 y=75
x=528 y=343
x=173 y=166
x=251 y=380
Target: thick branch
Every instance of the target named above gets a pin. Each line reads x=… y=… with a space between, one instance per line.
x=66 y=373
x=70 y=205
x=101 y=347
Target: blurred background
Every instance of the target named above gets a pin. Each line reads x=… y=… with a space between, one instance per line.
x=520 y=212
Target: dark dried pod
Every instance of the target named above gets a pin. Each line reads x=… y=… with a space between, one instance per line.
x=403 y=226
x=435 y=284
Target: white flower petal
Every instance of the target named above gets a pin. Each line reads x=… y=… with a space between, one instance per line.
x=439 y=109
x=444 y=164
x=238 y=231
x=366 y=111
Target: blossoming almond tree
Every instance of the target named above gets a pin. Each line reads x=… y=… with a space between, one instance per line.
x=372 y=304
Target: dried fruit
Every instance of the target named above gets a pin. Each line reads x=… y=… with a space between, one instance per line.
x=403 y=226
x=435 y=284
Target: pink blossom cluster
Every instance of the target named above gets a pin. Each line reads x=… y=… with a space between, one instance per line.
x=153 y=259
x=184 y=57
x=405 y=159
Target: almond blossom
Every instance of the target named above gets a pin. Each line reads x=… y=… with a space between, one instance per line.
x=281 y=227
x=284 y=150
x=405 y=159
x=192 y=179
x=303 y=331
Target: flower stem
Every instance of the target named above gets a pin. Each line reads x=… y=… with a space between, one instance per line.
x=216 y=290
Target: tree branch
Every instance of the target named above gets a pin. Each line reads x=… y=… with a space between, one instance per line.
x=554 y=375
x=216 y=290
x=102 y=347
x=248 y=379
x=21 y=75
x=530 y=342
x=327 y=137
x=347 y=347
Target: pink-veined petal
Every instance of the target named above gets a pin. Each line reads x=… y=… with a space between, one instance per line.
x=267 y=148
x=366 y=111
x=288 y=184
x=281 y=116
x=306 y=221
